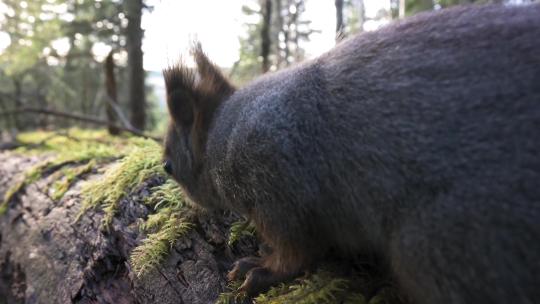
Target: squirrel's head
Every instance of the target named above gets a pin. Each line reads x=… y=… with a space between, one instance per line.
x=193 y=95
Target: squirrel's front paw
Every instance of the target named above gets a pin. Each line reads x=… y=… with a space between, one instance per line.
x=242 y=266
x=259 y=280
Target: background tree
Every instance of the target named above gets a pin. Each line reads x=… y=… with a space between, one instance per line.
x=350 y=17
x=23 y=62
x=265 y=35
x=112 y=94
x=53 y=60
x=273 y=38
x=339 y=18
x=134 y=35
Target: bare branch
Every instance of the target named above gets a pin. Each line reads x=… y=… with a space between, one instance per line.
x=78 y=117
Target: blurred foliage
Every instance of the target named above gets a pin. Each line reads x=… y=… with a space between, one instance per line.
x=53 y=60
x=415 y=6
x=288 y=29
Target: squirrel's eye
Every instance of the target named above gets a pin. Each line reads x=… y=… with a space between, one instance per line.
x=167 y=166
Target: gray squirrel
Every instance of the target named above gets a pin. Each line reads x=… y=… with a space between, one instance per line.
x=417 y=143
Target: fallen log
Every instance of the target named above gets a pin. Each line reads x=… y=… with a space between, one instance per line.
x=46 y=256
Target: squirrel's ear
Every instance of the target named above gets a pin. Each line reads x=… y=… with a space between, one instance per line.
x=181 y=93
x=213 y=84
x=193 y=96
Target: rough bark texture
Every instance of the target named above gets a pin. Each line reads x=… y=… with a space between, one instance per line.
x=47 y=257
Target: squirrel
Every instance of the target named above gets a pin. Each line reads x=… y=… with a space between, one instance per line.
x=417 y=143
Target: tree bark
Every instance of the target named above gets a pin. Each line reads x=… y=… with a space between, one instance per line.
x=48 y=257
x=134 y=36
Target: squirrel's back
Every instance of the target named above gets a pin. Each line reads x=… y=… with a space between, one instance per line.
x=417 y=142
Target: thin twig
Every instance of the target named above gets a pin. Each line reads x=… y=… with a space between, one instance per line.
x=79 y=117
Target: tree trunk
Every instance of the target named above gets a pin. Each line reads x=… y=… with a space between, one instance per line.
x=134 y=36
x=277 y=31
x=402 y=9
x=361 y=14
x=339 y=20
x=265 y=35
x=112 y=96
x=48 y=257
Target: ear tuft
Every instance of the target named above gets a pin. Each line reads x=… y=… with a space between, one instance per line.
x=178 y=76
x=180 y=86
x=212 y=82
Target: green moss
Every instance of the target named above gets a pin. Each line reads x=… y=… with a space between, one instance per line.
x=232 y=296
x=30 y=176
x=170 y=222
x=64 y=148
x=143 y=162
x=239 y=230
x=165 y=199
x=168 y=194
x=153 y=250
x=70 y=175
x=355 y=298
x=319 y=288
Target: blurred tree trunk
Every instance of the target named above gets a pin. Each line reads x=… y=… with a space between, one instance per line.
x=277 y=30
x=295 y=29
x=112 y=95
x=134 y=36
x=285 y=30
x=361 y=15
x=265 y=35
x=402 y=9
x=295 y=7
x=339 y=20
